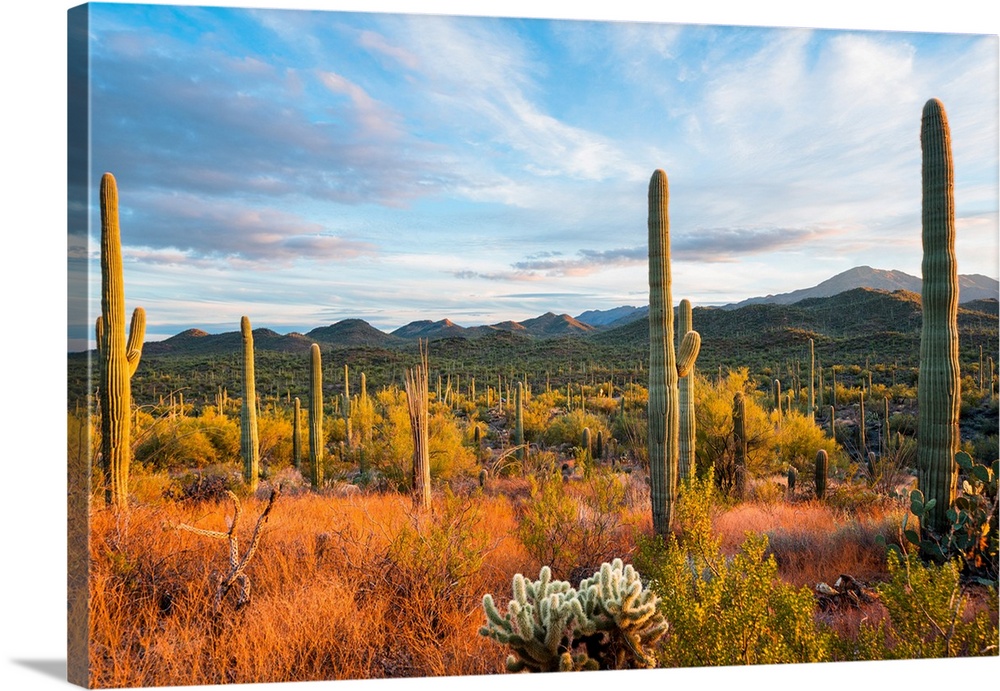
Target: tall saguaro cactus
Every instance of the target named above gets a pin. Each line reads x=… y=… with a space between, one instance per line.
x=664 y=365
x=685 y=388
x=118 y=357
x=296 y=434
x=939 y=381
x=316 y=415
x=812 y=378
x=249 y=442
x=739 y=445
x=519 y=421
x=346 y=408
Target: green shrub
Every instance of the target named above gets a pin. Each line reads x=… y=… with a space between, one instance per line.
x=726 y=611
x=573 y=530
x=927 y=606
x=568 y=428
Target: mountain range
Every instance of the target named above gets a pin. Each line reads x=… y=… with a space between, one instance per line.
x=971 y=287
x=864 y=283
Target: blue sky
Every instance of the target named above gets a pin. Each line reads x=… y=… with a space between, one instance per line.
x=302 y=167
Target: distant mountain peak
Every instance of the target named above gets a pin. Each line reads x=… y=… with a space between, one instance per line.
x=971 y=286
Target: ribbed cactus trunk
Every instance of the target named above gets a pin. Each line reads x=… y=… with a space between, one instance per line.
x=685 y=390
x=346 y=408
x=938 y=383
x=664 y=366
x=316 y=415
x=118 y=357
x=822 y=467
x=417 y=402
x=519 y=421
x=297 y=434
x=777 y=396
x=862 y=437
x=249 y=442
x=812 y=387
x=740 y=445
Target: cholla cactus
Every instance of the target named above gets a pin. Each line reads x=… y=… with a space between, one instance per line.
x=605 y=624
x=623 y=613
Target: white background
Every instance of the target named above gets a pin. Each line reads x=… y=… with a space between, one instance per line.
x=33 y=597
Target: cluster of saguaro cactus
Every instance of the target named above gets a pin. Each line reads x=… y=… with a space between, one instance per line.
x=605 y=624
x=316 y=444
x=740 y=444
x=118 y=357
x=822 y=467
x=939 y=381
x=417 y=403
x=249 y=446
x=685 y=389
x=664 y=366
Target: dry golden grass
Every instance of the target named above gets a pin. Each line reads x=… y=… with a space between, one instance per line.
x=363 y=586
x=357 y=587
x=812 y=541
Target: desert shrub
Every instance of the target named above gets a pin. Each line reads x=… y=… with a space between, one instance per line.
x=535 y=416
x=175 y=443
x=714 y=420
x=545 y=527
x=631 y=432
x=568 y=428
x=799 y=438
x=574 y=529
x=274 y=434
x=725 y=611
x=926 y=607
x=449 y=457
x=210 y=484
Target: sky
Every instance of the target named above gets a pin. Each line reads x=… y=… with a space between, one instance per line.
x=33 y=49
x=303 y=167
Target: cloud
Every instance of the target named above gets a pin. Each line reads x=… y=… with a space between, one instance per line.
x=380 y=45
x=731 y=244
x=247 y=124
x=196 y=228
x=586 y=262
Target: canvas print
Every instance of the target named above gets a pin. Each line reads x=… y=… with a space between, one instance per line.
x=411 y=345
